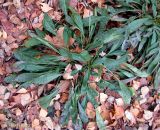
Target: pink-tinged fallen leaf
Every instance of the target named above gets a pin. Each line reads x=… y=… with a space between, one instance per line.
x=35 y=123
x=1 y=103
x=64 y=97
x=102 y=97
x=136 y=84
x=49 y=123
x=25 y=99
x=4 y=34
x=90 y=111
x=57 y=105
x=73 y=3
x=18 y=112
x=2 y=89
x=57 y=15
x=22 y=90
x=2 y=117
x=17 y=3
x=147 y=115
x=57 y=97
x=119 y=102
x=78 y=66
x=135 y=111
x=45 y=7
x=28 y=2
x=91 y=126
x=67 y=74
x=144 y=91
x=119 y=111
x=87 y=13
x=111 y=99
x=130 y=116
x=105 y=113
x=7 y=95
x=43 y=113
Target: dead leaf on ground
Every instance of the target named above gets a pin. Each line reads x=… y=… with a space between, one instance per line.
x=91 y=126
x=119 y=111
x=25 y=99
x=43 y=113
x=45 y=7
x=90 y=111
x=147 y=115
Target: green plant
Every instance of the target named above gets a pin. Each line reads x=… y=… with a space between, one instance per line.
x=38 y=66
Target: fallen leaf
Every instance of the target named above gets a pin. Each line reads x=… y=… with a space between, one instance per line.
x=67 y=74
x=147 y=115
x=49 y=123
x=2 y=89
x=25 y=99
x=35 y=123
x=17 y=3
x=87 y=13
x=73 y=3
x=57 y=105
x=4 y=34
x=2 y=117
x=90 y=111
x=45 y=7
x=22 y=90
x=43 y=113
x=64 y=97
x=103 y=97
x=136 y=84
x=144 y=91
x=135 y=111
x=18 y=112
x=130 y=116
x=119 y=111
x=119 y=102
x=1 y=103
x=91 y=126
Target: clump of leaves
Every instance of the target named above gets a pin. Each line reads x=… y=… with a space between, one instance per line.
x=40 y=61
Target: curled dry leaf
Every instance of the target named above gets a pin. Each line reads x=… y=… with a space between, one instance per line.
x=147 y=115
x=91 y=126
x=22 y=90
x=136 y=84
x=87 y=13
x=18 y=112
x=119 y=102
x=43 y=113
x=119 y=111
x=17 y=3
x=2 y=89
x=144 y=91
x=67 y=74
x=45 y=7
x=49 y=123
x=35 y=123
x=25 y=99
x=90 y=111
x=2 y=117
x=130 y=116
x=103 y=97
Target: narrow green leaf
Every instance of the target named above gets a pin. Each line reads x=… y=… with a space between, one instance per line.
x=48 y=24
x=137 y=71
x=136 y=24
x=45 y=101
x=157 y=79
x=125 y=92
x=82 y=114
